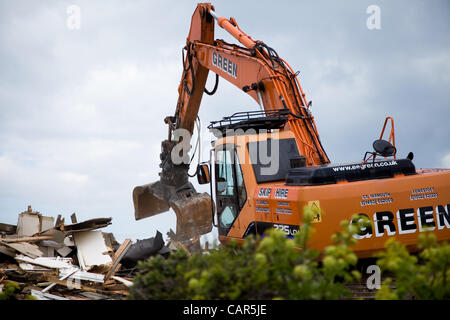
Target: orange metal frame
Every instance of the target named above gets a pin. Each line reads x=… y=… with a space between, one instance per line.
x=392 y=134
x=391 y=139
x=281 y=86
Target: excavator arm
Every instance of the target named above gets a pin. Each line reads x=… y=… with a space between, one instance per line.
x=271 y=84
x=173 y=190
x=193 y=79
x=254 y=68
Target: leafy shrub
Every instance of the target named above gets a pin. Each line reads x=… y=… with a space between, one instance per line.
x=278 y=268
x=9 y=291
x=12 y=291
x=425 y=275
x=273 y=268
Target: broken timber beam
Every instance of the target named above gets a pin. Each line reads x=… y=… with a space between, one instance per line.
x=117 y=257
x=8 y=228
x=87 y=225
x=27 y=239
x=73 y=285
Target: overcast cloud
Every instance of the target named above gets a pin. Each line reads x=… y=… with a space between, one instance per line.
x=81 y=111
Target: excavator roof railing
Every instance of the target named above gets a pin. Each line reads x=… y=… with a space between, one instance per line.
x=250 y=122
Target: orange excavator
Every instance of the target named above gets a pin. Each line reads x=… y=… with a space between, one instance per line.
x=266 y=166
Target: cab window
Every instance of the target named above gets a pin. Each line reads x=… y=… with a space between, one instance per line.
x=225 y=176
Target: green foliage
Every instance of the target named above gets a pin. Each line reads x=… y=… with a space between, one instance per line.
x=9 y=291
x=12 y=291
x=279 y=268
x=423 y=276
x=162 y=278
x=273 y=268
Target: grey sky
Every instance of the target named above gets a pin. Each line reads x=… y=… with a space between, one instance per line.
x=81 y=111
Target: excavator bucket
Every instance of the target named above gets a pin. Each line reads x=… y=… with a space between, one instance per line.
x=149 y=200
x=194 y=216
x=193 y=210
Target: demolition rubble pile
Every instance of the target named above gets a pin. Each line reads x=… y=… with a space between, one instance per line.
x=51 y=260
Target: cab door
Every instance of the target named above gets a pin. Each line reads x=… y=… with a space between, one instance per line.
x=230 y=188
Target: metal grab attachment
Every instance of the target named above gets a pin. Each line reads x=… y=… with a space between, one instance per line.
x=193 y=214
x=193 y=209
x=149 y=200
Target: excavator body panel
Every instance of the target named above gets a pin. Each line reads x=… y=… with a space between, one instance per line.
x=403 y=205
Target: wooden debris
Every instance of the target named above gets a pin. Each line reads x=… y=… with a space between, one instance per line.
x=7 y=228
x=112 y=271
x=72 y=285
x=54 y=261
x=50 y=243
x=87 y=225
x=117 y=257
x=95 y=296
x=64 y=251
x=84 y=275
x=31 y=222
x=27 y=239
x=58 y=235
x=90 y=248
x=31 y=267
x=59 y=221
x=25 y=248
x=62 y=278
x=189 y=246
x=45 y=296
x=47 y=251
x=76 y=297
x=110 y=240
x=43 y=284
x=68 y=241
x=7 y=251
x=122 y=280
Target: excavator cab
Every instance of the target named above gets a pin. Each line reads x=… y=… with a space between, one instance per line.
x=230 y=191
x=250 y=150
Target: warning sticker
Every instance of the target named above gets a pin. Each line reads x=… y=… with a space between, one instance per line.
x=315 y=206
